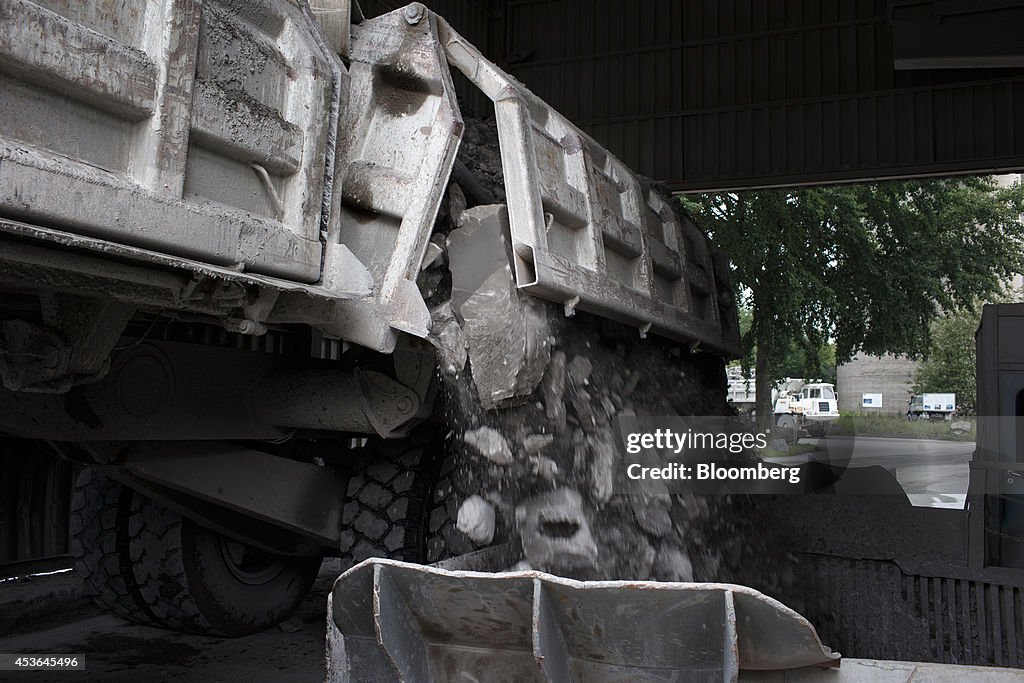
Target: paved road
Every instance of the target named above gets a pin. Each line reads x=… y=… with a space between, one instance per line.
x=933 y=473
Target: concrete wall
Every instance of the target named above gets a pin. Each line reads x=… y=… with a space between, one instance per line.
x=890 y=376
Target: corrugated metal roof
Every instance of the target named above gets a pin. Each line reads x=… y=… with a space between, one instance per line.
x=709 y=94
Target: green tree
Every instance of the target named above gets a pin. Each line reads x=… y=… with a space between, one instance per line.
x=950 y=364
x=867 y=267
x=798 y=359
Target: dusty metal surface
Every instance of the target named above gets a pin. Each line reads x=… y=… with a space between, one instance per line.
x=173 y=391
x=194 y=129
x=391 y=621
x=58 y=618
x=157 y=279
x=297 y=496
x=397 y=141
x=70 y=346
x=586 y=232
x=224 y=141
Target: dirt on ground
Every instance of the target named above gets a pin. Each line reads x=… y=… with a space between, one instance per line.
x=123 y=652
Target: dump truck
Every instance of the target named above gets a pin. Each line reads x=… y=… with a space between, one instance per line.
x=269 y=296
x=245 y=275
x=807 y=406
x=798 y=404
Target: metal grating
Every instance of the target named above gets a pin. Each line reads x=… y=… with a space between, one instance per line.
x=35 y=499
x=872 y=609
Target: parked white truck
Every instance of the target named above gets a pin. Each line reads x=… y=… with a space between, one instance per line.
x=931 y=407
x=798 y=404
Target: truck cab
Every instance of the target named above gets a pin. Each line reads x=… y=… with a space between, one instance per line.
x=807 y=405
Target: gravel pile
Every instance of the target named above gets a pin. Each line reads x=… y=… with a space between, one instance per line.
x=536 y=467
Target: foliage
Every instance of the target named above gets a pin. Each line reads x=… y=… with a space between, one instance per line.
x=897 y=426
x=950 y=364
x=796 y=359
x=866 y=267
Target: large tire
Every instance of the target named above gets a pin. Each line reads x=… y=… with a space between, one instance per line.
x=400 y=502
x=99 y=543
x=818 y=430
x=787 y=424
x=194 y=579
x=444 y=540
x=147 y=563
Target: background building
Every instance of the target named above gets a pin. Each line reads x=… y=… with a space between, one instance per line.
x=886 y=381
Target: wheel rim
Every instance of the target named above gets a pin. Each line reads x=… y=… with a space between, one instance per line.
x=249 y=565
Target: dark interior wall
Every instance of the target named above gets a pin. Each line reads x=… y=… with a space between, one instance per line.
x=479 y=21
x=710 y=94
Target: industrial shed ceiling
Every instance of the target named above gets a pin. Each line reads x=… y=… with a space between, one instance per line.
x=715 y=94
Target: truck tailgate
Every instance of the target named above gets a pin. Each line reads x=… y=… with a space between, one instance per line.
x=196 y=129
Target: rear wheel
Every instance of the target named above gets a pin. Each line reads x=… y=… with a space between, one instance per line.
x=99 y=542
x=787 y=423
x=818 y=430
x=149 y=564
x=401 y=502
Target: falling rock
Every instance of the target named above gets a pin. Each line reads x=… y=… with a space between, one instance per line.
x=555 y=532
x=506 y=333
x=456 y=203
x=495 y=337
x=537 y=334
x=579 y=370
x=602 y=469
x=631 y=384
x=608 y=405
x=545 y=468
x=447 y=336
x=652 y=513
x=640 y=562
x=553 y=390
x=535 y=443
x=672 y=564
x=490 y=444
x=433 y=256
x=476 y=520
x=584 y=409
